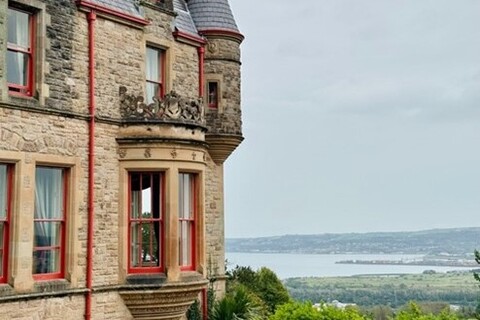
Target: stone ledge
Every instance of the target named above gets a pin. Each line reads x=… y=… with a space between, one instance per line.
x=221 y=146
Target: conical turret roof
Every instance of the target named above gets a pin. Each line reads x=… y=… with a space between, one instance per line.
x=212 y=15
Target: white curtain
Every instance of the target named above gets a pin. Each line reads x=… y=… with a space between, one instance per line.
x=18 y=35
x=152 y=70
x=185 y=212
x=48 y=206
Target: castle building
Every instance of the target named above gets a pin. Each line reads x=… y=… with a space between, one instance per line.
x=116 y=117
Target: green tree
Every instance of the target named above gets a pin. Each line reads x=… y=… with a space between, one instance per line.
x=476 y=275
x=270 y=289
x=414 y=312
x=239 y=304
x=305 y=311
x=263 y=283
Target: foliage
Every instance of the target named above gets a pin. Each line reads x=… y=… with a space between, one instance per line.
x=305 y=311
x=194 y=312
x=262 y=283
x=476 y=275
x=414 y=312
x=394 y=290
x=237 y=305
x=270 y=289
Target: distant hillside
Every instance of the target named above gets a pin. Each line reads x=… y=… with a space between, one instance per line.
x=458 y=241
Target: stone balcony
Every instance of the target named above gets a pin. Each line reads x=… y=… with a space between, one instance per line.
x=171 y=109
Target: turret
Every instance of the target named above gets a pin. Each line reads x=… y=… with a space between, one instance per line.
x=214 y=20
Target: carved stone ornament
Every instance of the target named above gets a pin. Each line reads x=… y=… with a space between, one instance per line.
x=172 y=107
x=122 y=153
x=147 y=153
x=174 y=154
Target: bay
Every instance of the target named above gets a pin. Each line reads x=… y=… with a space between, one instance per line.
x=289 y=265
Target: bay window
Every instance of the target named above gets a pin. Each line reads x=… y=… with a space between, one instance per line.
x=49 y=222
x=187 y=207
x=20 y=51
x=5 y=205
x=155 y=73
x=146 y=216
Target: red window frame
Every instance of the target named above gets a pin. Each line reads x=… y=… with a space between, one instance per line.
x=60 y=274
x=189 y=219
x=4 y=249
x=17 y=89
x=161 y=72
x=212 y=90
x=148 y=267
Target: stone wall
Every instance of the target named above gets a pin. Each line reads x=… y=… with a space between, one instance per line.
x=214 y=216
x=222 y=61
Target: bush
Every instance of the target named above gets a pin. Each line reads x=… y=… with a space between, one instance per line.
x=306 y=311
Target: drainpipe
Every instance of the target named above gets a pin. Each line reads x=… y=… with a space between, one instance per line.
x=201 y=76
x=204 y=304
x=91 y=17
x=201 y=79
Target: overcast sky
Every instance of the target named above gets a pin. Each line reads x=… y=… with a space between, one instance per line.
x=358 y=116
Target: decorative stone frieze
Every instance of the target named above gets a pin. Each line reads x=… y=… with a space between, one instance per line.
x=172 y=108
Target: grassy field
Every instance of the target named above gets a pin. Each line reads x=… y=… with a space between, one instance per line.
x=394 y=290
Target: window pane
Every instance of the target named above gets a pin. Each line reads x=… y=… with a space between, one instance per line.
x=18 y=28
x=185 y=243
x=17 y=68
x=150 y=245
x=185 y=196
x=212 y=94
x=153 y=65
x=47 y=234
x=146 y=196
x=46 y=261
x=153 y=90
x=3 y=192
x=135 y=244
x=48 y=193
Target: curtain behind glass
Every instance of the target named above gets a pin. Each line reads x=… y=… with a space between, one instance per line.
x=48 y=206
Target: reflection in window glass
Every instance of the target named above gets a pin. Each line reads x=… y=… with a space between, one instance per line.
x=146 y=221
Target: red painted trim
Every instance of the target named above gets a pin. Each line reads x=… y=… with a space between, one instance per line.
x=112 y=12
x=30 y=51
x=190 y=37
x=163 y=60
x=91 y=17
x=222 y=32
x=201 y=73
x=161 y=267
x=6 y=226
x=63 y=225
x=191 y=224
x=204 y=304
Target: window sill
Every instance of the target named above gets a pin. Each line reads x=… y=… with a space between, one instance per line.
x=143 y=279
x=51 y=285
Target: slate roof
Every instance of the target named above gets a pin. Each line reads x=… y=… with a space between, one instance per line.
x=124 y=6
x=212 y=14
x=192 y=15
x=183 y=20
